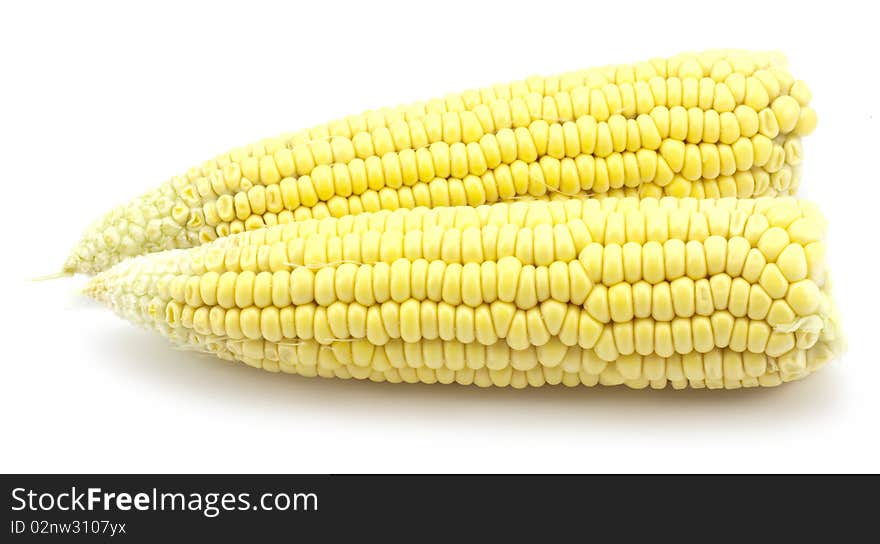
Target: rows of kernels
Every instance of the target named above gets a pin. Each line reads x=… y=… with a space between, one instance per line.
x=648 y=121
x=753 y=183
x=724 y=267
x=487 y=189
x=728 y=215
x=695 y=290
x=688 y=317
x=668 y=317
x=689 y=109
x=499 y=365
x=521 y=229
x=743 y=149
x=238 y=196
x=749 y=79
x=492 y=172
x=260 y=206
x=717 y=66
x=474 y=191
x=647 y=77
x=549 y=355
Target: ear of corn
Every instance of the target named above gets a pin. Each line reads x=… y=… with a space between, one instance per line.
x=707 y=125
x=718 y=293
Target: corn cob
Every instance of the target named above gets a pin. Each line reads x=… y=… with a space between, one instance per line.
x=715 y=124
x=643 y=292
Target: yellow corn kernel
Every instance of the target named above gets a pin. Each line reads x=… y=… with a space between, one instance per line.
x=669 y=128
x=530 y=291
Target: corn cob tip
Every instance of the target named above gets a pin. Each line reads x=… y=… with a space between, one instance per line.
x=91 y=254
x=96 y=289
x=88 y=260
x=102 y=286
x=82 y=261
x=71 y=266
x=152 y=222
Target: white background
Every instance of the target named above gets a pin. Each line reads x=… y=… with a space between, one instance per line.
x=100 y=101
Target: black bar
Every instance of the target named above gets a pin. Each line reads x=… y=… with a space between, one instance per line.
x=326 y=508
